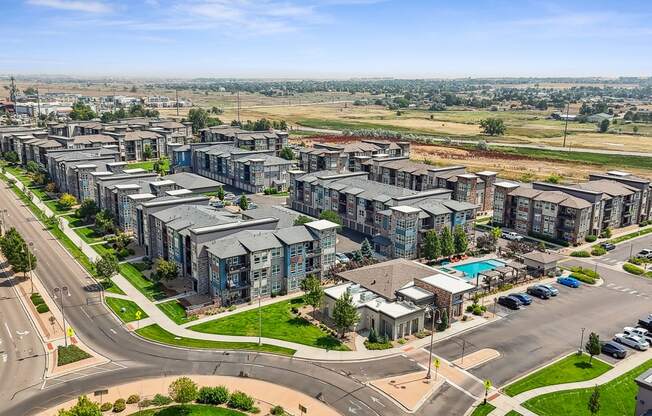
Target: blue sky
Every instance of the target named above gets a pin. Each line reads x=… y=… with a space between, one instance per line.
x=327 y=38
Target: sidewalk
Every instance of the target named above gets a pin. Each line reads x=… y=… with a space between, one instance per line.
x=617 y=233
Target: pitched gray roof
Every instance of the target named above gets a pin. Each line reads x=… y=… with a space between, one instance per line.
x=294 y=235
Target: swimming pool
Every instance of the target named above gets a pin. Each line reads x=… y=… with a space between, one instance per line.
x=471 y=270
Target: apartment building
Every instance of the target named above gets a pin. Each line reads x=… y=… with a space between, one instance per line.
x=252 y=264
x=250 y=170
x=349 y=156
x=571 y=212
x=70 y=169
x=395 y=218
x=272 y=140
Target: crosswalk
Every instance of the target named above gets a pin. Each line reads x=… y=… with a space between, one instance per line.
x=612 y=262
x=627 y=290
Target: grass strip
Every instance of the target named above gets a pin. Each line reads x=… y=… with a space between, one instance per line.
x=70 y=354
x=176 y=312
x=158 y=334
x=130 y=309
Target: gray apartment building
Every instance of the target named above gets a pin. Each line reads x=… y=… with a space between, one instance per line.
x=571 y=212
x=349 y=156
x=396 y=218
x=272 y=140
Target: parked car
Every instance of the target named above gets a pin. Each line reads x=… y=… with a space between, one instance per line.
x=509 y=302
x=568 y=281
x=553 y=290
x=539 y=291
x=631 y=341
x=646 y=253
x=341 y=258
x=216 y=203
x=646 y=322
x=229 y=196
x=524 y=298
x=511 y=235
x=639 y=332
x=252 y=205
x=608 y=246
x=613 y=349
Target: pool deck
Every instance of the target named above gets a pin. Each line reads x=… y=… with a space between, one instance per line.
x=457 y=273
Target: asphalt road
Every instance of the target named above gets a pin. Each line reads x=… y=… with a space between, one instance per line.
x=534 y=336
x=22 y=358
x=626 y=249
x=133 y=358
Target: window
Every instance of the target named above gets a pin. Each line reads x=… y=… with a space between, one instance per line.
x=260 y=258
x=276 y=286
x=276 y=252
x=276 y=270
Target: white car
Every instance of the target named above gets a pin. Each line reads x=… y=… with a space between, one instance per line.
x=631 y=341
x=229 y=196
x=645 y=254
x=341 y=258
x=511 y=235
x=642 y=333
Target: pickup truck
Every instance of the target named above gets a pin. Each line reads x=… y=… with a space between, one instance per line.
x=511 y=235
x=645 y=254
x=646 y=322
x=639 y=332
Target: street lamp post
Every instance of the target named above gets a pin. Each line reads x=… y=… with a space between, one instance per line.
x=29 y=264
x=579 y=350
x=260 y=312
x=60 y=292
x=432 y=311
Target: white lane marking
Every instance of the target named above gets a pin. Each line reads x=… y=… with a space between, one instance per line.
x=625 y=289
x=9 y=332
x=609 y=284
x=113 y=330
x=633 y=292
x=4 y=357
x=616 y=287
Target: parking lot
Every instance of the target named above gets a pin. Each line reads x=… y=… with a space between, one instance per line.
x=543 y=331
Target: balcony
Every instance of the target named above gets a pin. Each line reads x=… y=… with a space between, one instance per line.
x=235 y=267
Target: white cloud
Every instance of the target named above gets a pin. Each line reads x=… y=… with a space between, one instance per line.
x=73 y=5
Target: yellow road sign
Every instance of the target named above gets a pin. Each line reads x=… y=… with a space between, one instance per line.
x=487 y=384
x=70 y=332
x=437 y=363
x=139 y=314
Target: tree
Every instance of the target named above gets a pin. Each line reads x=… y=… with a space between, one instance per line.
x=486 y=243
x=444 y=321
x=220 y=193
x=67 y=201
x=447 y=243
x=51 y=187
x=357 y=256
x=243 y=203
x=23 y=260
x=603 y=126
x=32 y=167
x=11 y=156
x=493 y=126
x=286 y=153
x=83 y=407
x=160 y=166
x=314 y=292
x=594 y=401
x=460 y=240
x=87 y=210
x=302 y=219
x=366 y=250
x=165 y=270
x=30 y=91
x=106 y=266
x=183 y=390
x=104 y=221
x=331 y=216
x=10 y=244
x=635 y=129
x=345 y=314
x=431 y=245
x=199 y=119
x=81 y=111
x=593 y=346
x=122 y=240
x=147 y=152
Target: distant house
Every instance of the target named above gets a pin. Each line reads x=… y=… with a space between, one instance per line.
x=597 y=118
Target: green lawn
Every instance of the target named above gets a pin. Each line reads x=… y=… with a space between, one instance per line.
x=148 y=165
x=190 y=410
x=153 y=290
x=129 y=315
x=513 y=413
x=617 y=397
x=483 y=409
x=89 y=234
x=111 y=287
x=278 y=322
x=74 y=221
x=39 y=192
x=175 y=311
x=70 y=354
x=621 y=161
x=567 y=370
x=158 y=334
x=102 y=249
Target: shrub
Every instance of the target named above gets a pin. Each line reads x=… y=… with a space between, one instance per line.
x=36 y=299
x=591 y=238
x=606 y=233
x=380 y=345
x=277 y=411
x=231 y=308
x=133 y=399
x=580 y=253
x=630 y=268
x=213 y=395
x=636 y=260
x=145 y=403
x=161 y=400
x=119 y=406
x=105 y=407
x=42 y=308
x=295 y=310
x=585 y=271
x=241 y=401
x=583 y=278
x=598 y=251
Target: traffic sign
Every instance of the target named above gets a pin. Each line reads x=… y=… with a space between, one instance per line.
x=487 y=384
x=437 y=363
x=139 y=314
x=70 y=332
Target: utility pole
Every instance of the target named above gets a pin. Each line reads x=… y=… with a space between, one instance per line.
x=239 y=107
x=38 y=103
x=29 y=265
x=566 y=125
x=60 y=292
x=176 y=91
x=260 y=312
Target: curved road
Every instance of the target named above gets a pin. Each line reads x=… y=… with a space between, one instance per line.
x=339 y=385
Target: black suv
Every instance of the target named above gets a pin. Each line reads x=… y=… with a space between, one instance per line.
x=539 y=291
x=509 y=302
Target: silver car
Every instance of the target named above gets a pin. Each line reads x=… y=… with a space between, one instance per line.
x=631 y=341
x=553 y=290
